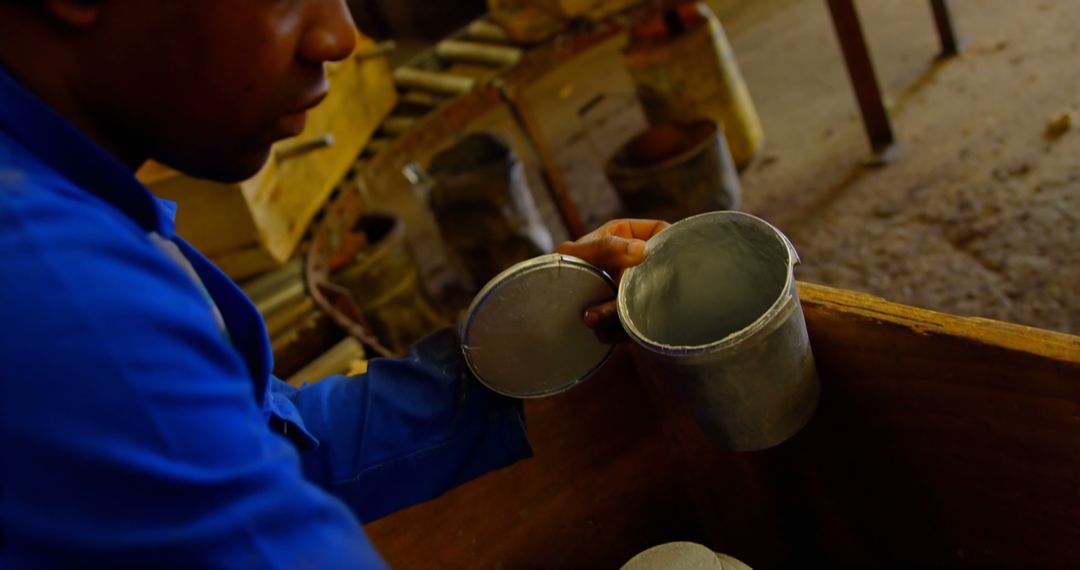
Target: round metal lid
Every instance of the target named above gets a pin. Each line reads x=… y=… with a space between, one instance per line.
x=524 y=335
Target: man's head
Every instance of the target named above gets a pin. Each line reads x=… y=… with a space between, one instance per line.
x=204 y=86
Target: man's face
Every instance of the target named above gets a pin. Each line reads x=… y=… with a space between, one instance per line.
x=206 y=86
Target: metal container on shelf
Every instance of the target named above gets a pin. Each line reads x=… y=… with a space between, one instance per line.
x=479 y=196
x=684 y=69
x=672 y=171
x=384 y=282
x=715 y=306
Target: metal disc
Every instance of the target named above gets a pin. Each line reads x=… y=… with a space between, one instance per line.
x=525 y=336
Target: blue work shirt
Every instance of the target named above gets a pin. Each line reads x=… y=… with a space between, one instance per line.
x=134 y=433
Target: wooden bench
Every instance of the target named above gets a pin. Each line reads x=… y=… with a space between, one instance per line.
x=939 y=440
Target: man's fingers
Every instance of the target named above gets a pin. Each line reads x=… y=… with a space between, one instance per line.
x=635 y=229
x=595 y=316
x=609 y=252
x=613 y=247
x=604 y=320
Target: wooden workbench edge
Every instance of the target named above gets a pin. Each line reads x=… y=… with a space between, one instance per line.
x=1040 y=342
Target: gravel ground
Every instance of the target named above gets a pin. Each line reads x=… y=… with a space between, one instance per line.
x=979 y=214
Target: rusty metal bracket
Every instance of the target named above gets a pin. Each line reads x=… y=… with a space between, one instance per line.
x=336 y=301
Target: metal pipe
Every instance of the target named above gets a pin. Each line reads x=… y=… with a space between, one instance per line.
x=412 y=78
x=288 y=294
x=486 y=31
x=284 y=319
x=295 y=148
x=334 y=361
x=268 y=284
x=472 y=52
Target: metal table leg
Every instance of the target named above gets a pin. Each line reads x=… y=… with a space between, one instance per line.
x=861 y=69
x=950 y=42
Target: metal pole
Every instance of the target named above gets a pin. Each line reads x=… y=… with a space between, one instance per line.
x=950 y=42
x=861 y=70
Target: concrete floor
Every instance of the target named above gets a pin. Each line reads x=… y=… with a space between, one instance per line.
x=979 y=213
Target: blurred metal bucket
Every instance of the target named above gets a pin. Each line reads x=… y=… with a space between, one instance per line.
x=672 y=171
x=684 y=69
x=484 y=208
x=715 y=305
x=385 y=284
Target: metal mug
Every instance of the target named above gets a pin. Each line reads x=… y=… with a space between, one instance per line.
x=715 y=305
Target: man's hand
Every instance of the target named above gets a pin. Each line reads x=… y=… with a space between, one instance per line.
x=612 y=247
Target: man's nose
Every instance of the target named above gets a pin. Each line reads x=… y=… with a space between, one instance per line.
x=330 y=35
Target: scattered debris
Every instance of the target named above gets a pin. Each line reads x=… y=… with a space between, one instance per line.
x=1013 y=170
x=1058 y=126
x=767 y=161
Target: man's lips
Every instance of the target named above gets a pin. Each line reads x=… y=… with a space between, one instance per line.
x=293 y=123
x=312 y=101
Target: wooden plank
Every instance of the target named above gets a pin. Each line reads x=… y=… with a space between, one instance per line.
x=599 y=489
x=939 y=441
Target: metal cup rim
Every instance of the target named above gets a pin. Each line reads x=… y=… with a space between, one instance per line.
x=732 y=338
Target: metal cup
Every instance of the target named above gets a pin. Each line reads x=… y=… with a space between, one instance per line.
x=715 y=305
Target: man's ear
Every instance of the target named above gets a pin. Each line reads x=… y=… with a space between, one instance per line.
x=76 y=13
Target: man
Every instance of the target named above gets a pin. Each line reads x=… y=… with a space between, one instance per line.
x=140 y=424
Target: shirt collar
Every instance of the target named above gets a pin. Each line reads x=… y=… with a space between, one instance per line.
x=60 y=144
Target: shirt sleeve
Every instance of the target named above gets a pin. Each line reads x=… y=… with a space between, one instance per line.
x=130 y=435
x=408 y=430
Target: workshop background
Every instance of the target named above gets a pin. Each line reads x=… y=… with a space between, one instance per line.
x=924 y=152
x=976 y=213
